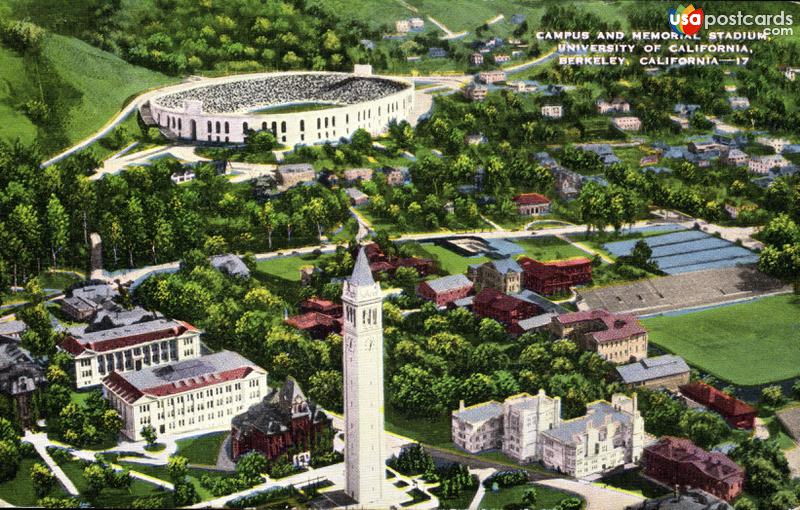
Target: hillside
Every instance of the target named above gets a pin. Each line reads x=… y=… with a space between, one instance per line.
x=82 y=85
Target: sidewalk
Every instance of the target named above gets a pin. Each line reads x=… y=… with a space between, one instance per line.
x=40 y=443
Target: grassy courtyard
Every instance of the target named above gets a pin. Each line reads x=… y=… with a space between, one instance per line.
x=763 y=333
x=19 y=490
x=114 y=498
x=202 y=449
x=549 y=248
x=287 y=268
x=450 y=261
x=547 y=497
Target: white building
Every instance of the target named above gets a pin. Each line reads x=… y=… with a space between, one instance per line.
x=615 y=106
x=189 y=395
x=490 y=77
x=777 y=144
x=402 y=26
x=791 y=73
x=626 y=123
x=763 y=164
x=130 y=347
x=606 y=437
x=364 y=453
x=529 y=428
x=416 y=23
x=552 y=111
x=739 y=102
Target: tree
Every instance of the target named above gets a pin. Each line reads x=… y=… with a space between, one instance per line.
x=361 y=141
x=149 y=434
x=43 y=479
x=325 y=387
x=9 y=460
x=185 y=494
x=260 y=142
x=772 y=395
x=177 y=468
x=96 y=478
x=57 y=227
x=250 y=467
x=705 y=429
x=406 y=278
x=269 y=220
x=530 y=497
x=134 y=233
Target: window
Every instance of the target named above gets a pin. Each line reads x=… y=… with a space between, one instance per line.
x=283 y=126
x=227 y=128
x=302 y=125
x=244 y=127
x=208 y=126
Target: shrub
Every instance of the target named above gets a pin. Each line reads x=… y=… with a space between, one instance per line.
x=507 y=478
x=772 y=395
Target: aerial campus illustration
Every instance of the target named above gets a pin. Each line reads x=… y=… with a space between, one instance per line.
x=386 y=254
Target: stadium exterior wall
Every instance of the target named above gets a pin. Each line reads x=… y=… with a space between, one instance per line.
x=295 y=128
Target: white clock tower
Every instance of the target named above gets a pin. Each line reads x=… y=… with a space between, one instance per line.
x=364 y=454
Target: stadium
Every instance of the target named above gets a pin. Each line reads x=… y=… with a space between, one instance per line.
x=298 y=107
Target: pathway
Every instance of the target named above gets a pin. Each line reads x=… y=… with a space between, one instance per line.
x=495 y=19
x=585 y=248
x=760 y=429
x=793 y=458
x=494 y=225
x=483 y=474
x=40 y=442
x=449 y=34
x=597 y=498
x=364 y=226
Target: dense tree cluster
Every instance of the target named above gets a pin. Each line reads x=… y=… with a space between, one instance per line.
x=781 y=254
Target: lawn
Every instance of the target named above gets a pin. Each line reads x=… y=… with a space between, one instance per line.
x=631 y=481
x=547 y=497
x=82 y=85
x=549 y=248
x=287 y=268
x=450 y=261
x=202 y=449
x=459 y=502
x=161 y=472
x=57 y=279
x=19 y=490
x=114 y=498
x=764 y=332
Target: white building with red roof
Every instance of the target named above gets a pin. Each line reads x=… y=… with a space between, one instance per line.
x=532 y=204
x=195 y=394
x=618 y=338
x=129 y=347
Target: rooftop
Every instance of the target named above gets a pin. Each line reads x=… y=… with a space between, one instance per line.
x=598 y=415
x=653 y=368
x=445 y=283
x=480 y=412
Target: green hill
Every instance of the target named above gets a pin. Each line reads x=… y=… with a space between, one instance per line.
x=82 y=86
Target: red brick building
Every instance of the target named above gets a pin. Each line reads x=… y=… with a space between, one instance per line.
x=445 y=290
x=503 y=308
x=738 y=414
x=532 y=204
x=556 y=276
x=618 y=338
x=379 y=262
x=317 y=325
x=677 y=461
x=317 y=304
x=284 y=420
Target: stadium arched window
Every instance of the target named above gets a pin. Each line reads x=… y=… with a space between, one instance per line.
x=333 y=121
x=180 y=123
x=283 y=126
x=347 y=118
x=208 y=125
x=274 y=128
x=263 y=126
x=326 y=122
x=227 y=127
x=319 y=123
x=217 y=129
x=302 y=125
x=244 y=127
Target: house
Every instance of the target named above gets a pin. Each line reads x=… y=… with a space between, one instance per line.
x=402 y=26
x=489 y=77
x=667 y=371
x=82 y=303
x=185 y=175
x=367 y=44
x=196 y=394
x=704 y=146
x=478 y=428
x=791 y=73
x=317 y=325
x=545 y=160
x=626 y=123
x=557 y=276
x=353 y=175
x=502 y=275
x=12 y=329
x=129 y=343
x=618 y=338
x=685 y=110
x=763 y=164
x=476 y=92
x=436 y=52
x=532 y=204
x=615 y=106
x=294 y=174
x=320 y=305
x=738 y=414
x=650 y=159
x=777 y=144
x=567 y=183
x=284 y=422
x=379 y=262
x=476 y=58
x=416 y=24
x=505 y=309
x=739 y=102
x=396 y=176
x=356 y=196
x=608 y=436
x=501 y=58
x=603 y=151
x=552 y=111
x=445 y=290
x=231 y=264
x=677 y=461
x=691 y=499
x=20 y=377
x=682 y=122
x=521 y=86
x=475 y=139
x=735 y=157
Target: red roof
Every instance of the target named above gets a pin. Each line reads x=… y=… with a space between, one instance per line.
x=498 y=300
x=130 y=393
x=611 y=326
x=311 y=320
x=719 y=400
x=75 y=347
x=529 y=264
x=714 y=465
x=531 y=199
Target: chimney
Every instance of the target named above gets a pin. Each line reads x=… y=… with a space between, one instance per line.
x=461 y=405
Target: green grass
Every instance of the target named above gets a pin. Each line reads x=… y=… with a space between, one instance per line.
x=776 y=430
x=287 y=268
x=83 y=86
x=57 y=280
x=747 y=344
x=202 y=449
x=631 y=481
x=450 y=261
x=162 y=473
x=549 y=248
x=459 y=502
x=294 y=108
x=113 y=498
x=19 y=490
x=435 y=433
x=547 y=497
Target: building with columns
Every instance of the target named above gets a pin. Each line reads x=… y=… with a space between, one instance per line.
x=129 y=347
x=195 y=394
x=364 y=453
